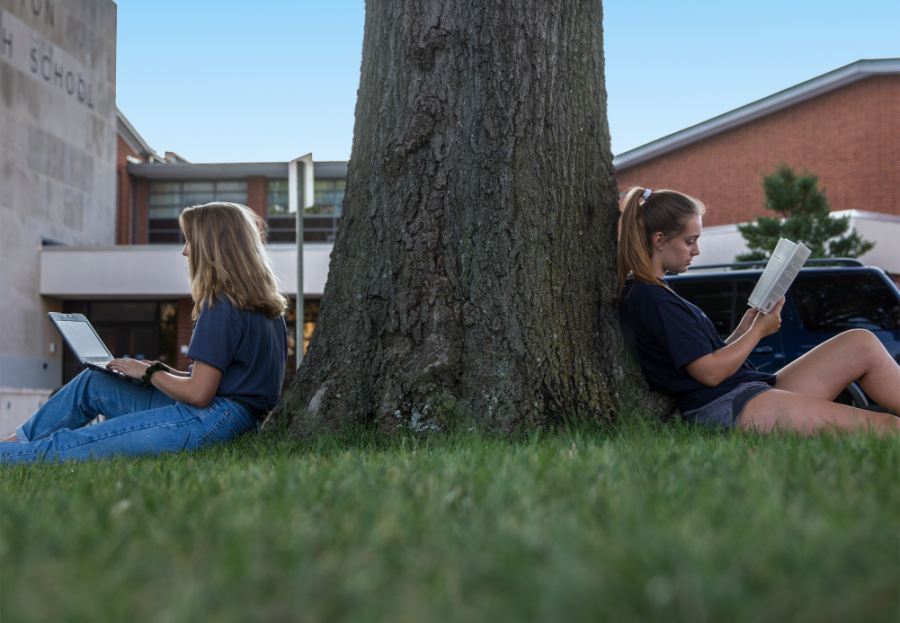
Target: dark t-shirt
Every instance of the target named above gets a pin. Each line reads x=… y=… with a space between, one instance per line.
x=664 y=332
x=249 y=349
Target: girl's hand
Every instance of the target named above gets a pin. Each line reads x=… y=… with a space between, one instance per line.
x=132 y=368
x=767 y=324
x=746 y=322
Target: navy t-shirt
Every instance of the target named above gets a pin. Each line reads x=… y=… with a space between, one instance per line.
x=249 y=349
x=664 y=332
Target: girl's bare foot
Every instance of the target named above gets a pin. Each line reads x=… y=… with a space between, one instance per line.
x=12 y=438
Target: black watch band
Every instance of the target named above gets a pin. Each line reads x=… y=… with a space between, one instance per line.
x=156 y=367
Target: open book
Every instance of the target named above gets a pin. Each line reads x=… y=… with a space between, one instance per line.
x=780 y=272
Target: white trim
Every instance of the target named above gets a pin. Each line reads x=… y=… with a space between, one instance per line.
x=720 y=244
x=717 y=229
x=869 y=216
x=853 y=214
x=760 y=108
x=132 y=137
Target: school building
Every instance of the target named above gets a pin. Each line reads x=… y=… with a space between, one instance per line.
x=136 y=292
x=88 y=212
x=844 y=126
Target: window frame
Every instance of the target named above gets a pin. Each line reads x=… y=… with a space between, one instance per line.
x=168 y=231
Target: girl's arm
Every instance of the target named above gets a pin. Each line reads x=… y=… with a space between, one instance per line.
x=717 y=366
x=171 y=369
x=197 y=390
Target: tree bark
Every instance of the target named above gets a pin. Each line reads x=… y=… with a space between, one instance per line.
x=473 y=277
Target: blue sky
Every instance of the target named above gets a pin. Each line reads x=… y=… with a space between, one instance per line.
x=223 y=82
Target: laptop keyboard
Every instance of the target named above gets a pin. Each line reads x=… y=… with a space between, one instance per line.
x=94 y=366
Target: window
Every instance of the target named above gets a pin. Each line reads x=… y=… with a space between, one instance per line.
x=742 y=296
x=168 y=199
x=310 y=318
x=282 y=222
x=329 y=199
x=320 y=222
x=277 y=198
x=833 y=303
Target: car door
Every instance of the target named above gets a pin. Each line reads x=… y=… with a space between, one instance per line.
x=827 y=303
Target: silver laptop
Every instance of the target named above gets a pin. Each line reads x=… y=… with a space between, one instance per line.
x=87 y=346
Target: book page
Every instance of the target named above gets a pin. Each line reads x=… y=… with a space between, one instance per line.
x=783 y=267
x=777 y=262
x=788 y=274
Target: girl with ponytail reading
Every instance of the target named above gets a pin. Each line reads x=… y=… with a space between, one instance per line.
x=239 y=350
x=711 y=381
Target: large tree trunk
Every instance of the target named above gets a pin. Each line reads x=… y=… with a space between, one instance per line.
x=474 y=273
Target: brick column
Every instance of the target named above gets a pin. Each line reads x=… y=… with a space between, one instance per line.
x=124 y=194
x=185 y=331
x=257 y=196
x=143 y=203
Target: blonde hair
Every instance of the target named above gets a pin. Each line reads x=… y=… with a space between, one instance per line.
x=665 y=211
x=226 y=257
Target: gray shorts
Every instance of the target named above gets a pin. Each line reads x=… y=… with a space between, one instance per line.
x=724 y=411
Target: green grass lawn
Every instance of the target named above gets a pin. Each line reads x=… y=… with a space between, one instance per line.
x=644 y=522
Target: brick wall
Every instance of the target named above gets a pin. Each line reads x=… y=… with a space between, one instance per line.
x=143 y=207
x=125 y=194
x=257 y=195
x=849 y=137
x=185 y=331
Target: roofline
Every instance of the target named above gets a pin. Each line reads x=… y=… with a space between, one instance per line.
x=132 y=137
x=796 y=94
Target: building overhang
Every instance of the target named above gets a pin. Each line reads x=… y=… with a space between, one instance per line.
x=230 y=170
x=836 y=79
x=159 y=271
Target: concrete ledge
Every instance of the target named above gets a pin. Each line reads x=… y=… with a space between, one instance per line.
x=17 y=405
x=159 y=271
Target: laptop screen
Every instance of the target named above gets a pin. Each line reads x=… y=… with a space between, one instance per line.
x=83 y=340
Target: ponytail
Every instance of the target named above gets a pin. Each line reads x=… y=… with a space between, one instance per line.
x=665 y=211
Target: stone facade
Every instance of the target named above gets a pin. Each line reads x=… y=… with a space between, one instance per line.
x=57 y=162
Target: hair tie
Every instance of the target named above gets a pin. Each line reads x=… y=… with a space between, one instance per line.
x=646 y=194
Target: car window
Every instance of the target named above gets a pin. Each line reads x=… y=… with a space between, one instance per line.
x=743 y=289
x=830 y=303
x=714 y=297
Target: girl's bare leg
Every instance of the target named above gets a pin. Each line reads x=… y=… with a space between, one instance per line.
x=853 y=355
x=808 y=415
x=801 y=400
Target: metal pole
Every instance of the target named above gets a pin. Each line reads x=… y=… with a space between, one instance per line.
x=300 y=196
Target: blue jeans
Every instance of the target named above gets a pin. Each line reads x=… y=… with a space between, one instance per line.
x=142 y=420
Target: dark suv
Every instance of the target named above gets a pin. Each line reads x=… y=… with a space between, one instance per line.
x=822 y=302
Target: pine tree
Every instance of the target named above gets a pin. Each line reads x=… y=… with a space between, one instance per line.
x=804 y=216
